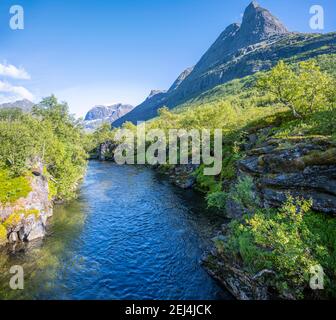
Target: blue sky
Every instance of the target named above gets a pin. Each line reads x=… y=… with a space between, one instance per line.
x=101 y=52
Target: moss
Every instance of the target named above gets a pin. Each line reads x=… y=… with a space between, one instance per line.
x=3 y=234
x=52 y=190
x=320 y=158
x=13 y=220
x=13 y=188
x=32 y=212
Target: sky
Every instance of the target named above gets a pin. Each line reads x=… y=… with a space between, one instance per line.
x=93 y=52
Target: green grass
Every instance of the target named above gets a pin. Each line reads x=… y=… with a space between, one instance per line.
x=12 y=188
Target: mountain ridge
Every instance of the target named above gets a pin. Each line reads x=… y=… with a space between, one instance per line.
x=25 y=105
x=257 y=44
x=105 y=114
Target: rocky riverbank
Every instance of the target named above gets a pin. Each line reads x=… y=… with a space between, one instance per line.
x=301 y=167
x=26 y=218
x=297 y=166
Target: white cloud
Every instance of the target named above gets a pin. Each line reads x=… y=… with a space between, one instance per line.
x=10 y=93
x=8 y=70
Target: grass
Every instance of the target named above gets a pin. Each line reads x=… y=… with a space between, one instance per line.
x=13 y=188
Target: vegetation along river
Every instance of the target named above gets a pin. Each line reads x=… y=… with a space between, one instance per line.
x=129 y=235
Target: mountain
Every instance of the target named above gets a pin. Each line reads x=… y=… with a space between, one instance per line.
x=105 y=114
x=25 y=105
x=256 y=44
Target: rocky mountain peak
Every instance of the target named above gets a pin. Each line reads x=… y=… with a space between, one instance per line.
x=259 y=24
x=257 y=44
x=102 y=112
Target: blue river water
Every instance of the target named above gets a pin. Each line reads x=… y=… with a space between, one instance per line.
x=130 y=235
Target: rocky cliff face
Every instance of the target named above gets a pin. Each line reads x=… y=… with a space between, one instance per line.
x=256 y=44
x=26 y=219
x=105 y=114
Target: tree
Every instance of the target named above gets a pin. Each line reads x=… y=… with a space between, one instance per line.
x=314 y=86
x=281 y=82
x=303 y=89
x=50 y=134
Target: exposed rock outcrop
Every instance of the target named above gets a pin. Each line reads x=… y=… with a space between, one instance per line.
x=26 y=219
x=239 y=283
x=300 y=167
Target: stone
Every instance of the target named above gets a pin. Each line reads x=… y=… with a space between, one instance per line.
x=13 y=237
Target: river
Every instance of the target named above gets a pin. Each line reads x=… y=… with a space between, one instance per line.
x=130 y=235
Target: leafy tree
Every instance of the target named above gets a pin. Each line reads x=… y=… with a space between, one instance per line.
x=50 y=134
x=313 y=87
x=282 y=83
x=303 y=89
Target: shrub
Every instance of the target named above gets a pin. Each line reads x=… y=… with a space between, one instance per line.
x=243 y=193
x=50 y=134
x=303 y=88
x=289 y=241
x=217 y=200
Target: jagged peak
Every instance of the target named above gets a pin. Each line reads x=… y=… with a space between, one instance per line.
x=259 y=23
x=253 y=5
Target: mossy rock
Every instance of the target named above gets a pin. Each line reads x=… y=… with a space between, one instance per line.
x=320 y=158
x=31 y=212
x=13 y=220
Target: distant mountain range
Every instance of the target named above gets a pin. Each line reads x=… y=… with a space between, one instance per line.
x=93 y=119
x=25 y=105
x=256 y=44
x=105 y=114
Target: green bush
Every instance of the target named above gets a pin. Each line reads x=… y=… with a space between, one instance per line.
x=288 y=241
x=243 y=194
x=217 y=200
x=303 y=88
